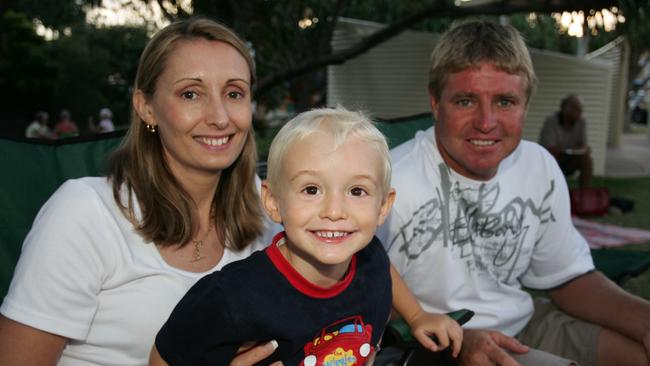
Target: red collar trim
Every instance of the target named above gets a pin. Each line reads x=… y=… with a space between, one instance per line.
x=301 y=283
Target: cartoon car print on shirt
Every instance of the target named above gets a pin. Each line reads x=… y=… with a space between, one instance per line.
x=343 y=343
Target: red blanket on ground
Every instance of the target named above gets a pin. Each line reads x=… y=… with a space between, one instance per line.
x=605 y=235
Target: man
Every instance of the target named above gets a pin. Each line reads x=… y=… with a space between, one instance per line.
x=564 y=136
x=481 y=213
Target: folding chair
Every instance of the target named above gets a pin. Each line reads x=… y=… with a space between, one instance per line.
x=398 y=334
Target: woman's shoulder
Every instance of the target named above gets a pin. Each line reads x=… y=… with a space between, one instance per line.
x=83 y=199
x=79 y=191
x=85 y=185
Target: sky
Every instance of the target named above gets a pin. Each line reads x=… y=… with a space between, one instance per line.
x=127 y=12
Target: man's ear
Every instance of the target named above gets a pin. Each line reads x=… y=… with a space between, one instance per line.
x=142 y=107
x=434 y=106
x=386 y=206
x=270 y=204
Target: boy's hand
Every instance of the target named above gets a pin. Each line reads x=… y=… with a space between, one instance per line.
x=446 y=329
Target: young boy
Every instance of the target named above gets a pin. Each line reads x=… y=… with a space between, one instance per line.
x=322 y=289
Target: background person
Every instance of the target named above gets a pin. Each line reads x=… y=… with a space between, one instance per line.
x=65 y=127
x=105 y=121
x=564 y=136
x=39 y=128
x=482 y=213
x=108 y=257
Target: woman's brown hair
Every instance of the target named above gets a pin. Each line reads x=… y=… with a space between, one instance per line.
x=168 y=213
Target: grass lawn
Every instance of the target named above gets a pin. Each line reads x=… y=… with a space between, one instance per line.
x=638 y=190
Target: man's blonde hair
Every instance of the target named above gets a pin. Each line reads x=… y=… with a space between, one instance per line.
x=469 y=44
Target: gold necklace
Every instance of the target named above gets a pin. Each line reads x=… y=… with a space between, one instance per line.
x=198 y=244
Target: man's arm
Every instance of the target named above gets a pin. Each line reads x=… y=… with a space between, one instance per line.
x=582 y=134
x=488 y=348
x=596 y=299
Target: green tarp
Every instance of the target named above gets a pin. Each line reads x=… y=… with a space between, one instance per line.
x=34 y=169
x=31 y=171
x=620 y=264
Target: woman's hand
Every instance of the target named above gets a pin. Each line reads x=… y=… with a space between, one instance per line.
x=249 y=356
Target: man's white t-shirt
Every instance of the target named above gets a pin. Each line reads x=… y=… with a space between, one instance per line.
x=461 y=243
x=85 y=274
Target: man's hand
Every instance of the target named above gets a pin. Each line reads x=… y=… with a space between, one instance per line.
x=483 y=348
x=444 y=327
x=250 y=356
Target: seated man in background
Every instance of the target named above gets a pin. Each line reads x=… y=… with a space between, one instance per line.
x=564 y=136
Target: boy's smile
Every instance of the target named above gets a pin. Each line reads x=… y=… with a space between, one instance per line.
x=331 y=235
x=331 y=201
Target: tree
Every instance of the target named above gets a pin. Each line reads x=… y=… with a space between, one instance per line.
x=294 y=58
x=637 y=30
x=26 y=71
x=96 y=67
x=85 y=70
x=54 y=14
x=286 y=52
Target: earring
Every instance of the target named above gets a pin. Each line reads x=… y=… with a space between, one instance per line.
x=151 y=128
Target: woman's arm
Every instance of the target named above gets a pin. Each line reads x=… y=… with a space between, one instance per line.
x=155 y=359
x=250 y=357
x=26 y=346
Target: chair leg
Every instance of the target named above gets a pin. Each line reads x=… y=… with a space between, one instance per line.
x=406 y=358
x=423 y=357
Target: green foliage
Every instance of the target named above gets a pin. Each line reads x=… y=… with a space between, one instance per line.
x=542 y=32
x=54 y=14
x=84 y=71
x=280 y=44
x=388 y=11
x=91 y=68
x=96 y=69
x=637 y=31
x=26 y=69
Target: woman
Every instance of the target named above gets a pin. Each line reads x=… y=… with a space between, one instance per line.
x=108 y=258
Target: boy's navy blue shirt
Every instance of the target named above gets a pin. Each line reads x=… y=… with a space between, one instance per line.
x=263 y=298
